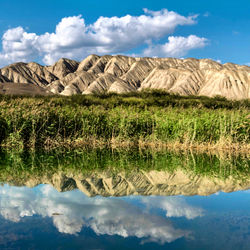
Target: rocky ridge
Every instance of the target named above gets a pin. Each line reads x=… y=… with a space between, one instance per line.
x=122 y=74
x=108 y=183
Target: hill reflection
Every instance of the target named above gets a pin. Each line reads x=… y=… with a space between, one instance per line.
x=119 y=173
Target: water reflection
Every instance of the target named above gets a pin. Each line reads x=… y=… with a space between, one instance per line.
x=156 y=219
x=120 y=173
x=173 y=206
x=71 y=211
x=100 y=199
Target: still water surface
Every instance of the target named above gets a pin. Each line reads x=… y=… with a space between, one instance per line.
x=126 y=200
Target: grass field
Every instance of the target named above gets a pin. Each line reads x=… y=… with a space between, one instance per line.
x=18 y=168
x=148 y=118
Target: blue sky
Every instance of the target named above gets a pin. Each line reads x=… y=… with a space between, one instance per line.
x=217 y=29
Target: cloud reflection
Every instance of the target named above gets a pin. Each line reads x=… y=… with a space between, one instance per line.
x=173 y=206
x=71 y=211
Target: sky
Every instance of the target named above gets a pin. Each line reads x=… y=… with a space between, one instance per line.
x=126 y=217
x=47 y=30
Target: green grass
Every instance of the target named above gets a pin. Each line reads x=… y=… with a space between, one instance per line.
x=140 y=99
x=18 y=168
x=153 y=117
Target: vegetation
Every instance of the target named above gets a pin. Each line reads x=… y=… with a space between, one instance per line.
x=141 y=99
x=147 y=118
x=18 y=168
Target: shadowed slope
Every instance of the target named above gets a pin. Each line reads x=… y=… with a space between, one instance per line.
x=23 y=89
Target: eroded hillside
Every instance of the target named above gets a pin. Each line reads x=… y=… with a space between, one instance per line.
x=122 y=74
x=141 y=182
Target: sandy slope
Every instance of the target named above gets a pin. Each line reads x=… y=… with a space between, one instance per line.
x=99 y=74
x=141 y=182
x=22 y=89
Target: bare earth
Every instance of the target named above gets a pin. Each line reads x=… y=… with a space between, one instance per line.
x=153 y=182
x=22 y=89
x=122 y=74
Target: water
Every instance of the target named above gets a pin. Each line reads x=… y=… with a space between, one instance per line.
x=104 y=199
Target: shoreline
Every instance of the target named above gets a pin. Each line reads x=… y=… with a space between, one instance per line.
x=114 y=143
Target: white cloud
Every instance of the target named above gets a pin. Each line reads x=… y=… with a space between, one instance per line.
x=18 y=45
x=108 y=35
x=70 y=211
x=176 y=46
x=173 y=206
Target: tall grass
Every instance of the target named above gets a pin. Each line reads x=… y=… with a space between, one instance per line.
x=141 y=99
x=37 y=122
x=18 y=168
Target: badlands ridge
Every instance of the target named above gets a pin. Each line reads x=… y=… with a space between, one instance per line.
x=122 y=74
x=107 y=183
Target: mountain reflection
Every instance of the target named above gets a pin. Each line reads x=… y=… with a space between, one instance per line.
x=120 y=173
x=84 y=199
x=71 y=211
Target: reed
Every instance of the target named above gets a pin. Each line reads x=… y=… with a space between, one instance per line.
x=145 y=118
x=18 y=168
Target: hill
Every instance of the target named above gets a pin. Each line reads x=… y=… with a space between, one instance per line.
x=122 y=74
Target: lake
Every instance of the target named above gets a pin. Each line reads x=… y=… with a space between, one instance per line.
x=126 y=199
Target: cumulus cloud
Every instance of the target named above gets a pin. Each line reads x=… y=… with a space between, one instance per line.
x=75 y=39
x=173 y=206
x=70 y=211
x=176 y=46
x=18 y=45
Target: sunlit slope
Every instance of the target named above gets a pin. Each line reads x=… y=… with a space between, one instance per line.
x=140 y=183
x=122 y=74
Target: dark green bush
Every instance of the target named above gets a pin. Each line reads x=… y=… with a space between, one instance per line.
x=3 y=129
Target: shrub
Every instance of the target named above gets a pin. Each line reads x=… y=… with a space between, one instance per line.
x=3 y=129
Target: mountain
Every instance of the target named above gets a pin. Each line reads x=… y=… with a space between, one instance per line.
x=122 y=74
x=108 y=183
